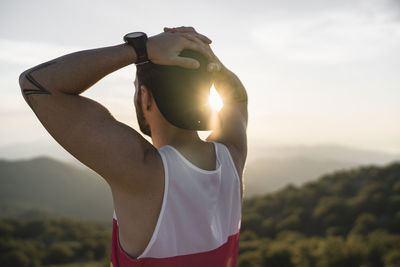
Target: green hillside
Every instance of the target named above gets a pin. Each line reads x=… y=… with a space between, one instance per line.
x=346 y=218
x=268 y=174
x=46 y=185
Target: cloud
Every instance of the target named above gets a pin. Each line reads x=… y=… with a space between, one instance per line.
x=330 y=38
x=30 y=53
x=16 y=56
x=299 y=60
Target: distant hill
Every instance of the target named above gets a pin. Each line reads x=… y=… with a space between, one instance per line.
x=270 y=174
x=53 y=186
x=322 y=152
x=49 y=186
x=325 y=152
x=333 y=203
x=48 y=149
x=270 y=168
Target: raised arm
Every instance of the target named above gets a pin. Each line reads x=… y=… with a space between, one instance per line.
x=232 y=125
x=84 y=127
x=233 y=117
x=76 y=72
x=231 y=128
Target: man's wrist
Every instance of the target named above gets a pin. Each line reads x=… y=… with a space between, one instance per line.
x=129 y=53
x=149 y=47
x=138 y=41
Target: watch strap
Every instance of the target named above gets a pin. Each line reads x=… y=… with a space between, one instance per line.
x=139 y=44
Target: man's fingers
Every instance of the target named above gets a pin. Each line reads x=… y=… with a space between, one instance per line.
x=213 y=67
x=186 y=62
x=197 y=42
x=205 y=39
x=201 y=37
x=214 y=64
x=168 y=29
x=190 y=30
x=190 y=37
x=199 y=46
x=205 y=47
x=182 y=29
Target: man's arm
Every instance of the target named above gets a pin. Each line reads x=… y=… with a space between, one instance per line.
x=232 y=124
x=231 y=128
x=85 y=128
x=232 y=118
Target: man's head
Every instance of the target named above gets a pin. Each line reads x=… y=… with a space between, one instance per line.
x=181 y=95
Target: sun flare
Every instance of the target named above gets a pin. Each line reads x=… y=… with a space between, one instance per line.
x=215 y=100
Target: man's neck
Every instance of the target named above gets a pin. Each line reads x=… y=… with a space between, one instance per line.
x=175 y=137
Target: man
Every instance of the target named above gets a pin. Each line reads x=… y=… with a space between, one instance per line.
x=177 y=201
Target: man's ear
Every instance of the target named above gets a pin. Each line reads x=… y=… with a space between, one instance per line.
x=147 y=98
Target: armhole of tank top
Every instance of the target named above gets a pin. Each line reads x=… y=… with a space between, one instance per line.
x=232 y=162
x=115 y=216
x=218 y=161
x=239 y=189
x=160 y=216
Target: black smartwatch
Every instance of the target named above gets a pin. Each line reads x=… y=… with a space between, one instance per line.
x=138 y=41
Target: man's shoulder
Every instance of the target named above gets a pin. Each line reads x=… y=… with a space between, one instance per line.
x=143 y=175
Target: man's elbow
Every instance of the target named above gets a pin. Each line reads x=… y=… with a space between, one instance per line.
x=23 y=81
x=24 y=84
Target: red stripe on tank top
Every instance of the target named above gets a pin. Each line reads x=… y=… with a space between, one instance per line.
x=223 y=256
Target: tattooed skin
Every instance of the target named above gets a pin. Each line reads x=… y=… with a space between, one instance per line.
x=39 y=89
x=232 y=87
x=238 y=93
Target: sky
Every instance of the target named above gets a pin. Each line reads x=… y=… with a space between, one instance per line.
x=316 y=71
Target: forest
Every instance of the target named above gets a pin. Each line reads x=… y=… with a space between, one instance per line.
x=53 y=242
x=345 y=218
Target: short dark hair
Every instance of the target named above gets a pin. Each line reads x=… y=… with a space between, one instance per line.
x=180 y=93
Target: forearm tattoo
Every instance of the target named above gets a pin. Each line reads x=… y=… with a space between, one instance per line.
x=238 y=91
x=234 y=88
x=39 y=89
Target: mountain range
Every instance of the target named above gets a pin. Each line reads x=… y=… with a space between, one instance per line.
x=49 y=186
x=52 y=185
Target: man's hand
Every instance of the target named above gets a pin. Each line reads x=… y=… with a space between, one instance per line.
x=169 y=44
x=191 y=34
x=190 y=30
x=164 y=49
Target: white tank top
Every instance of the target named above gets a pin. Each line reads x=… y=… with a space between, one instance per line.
x=200 y=217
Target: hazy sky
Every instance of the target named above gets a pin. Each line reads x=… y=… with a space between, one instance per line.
x=316 y=72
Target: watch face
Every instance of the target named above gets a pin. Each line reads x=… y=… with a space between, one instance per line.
x=134 y=34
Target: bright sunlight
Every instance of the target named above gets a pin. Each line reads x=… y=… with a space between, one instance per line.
x=215 y=100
